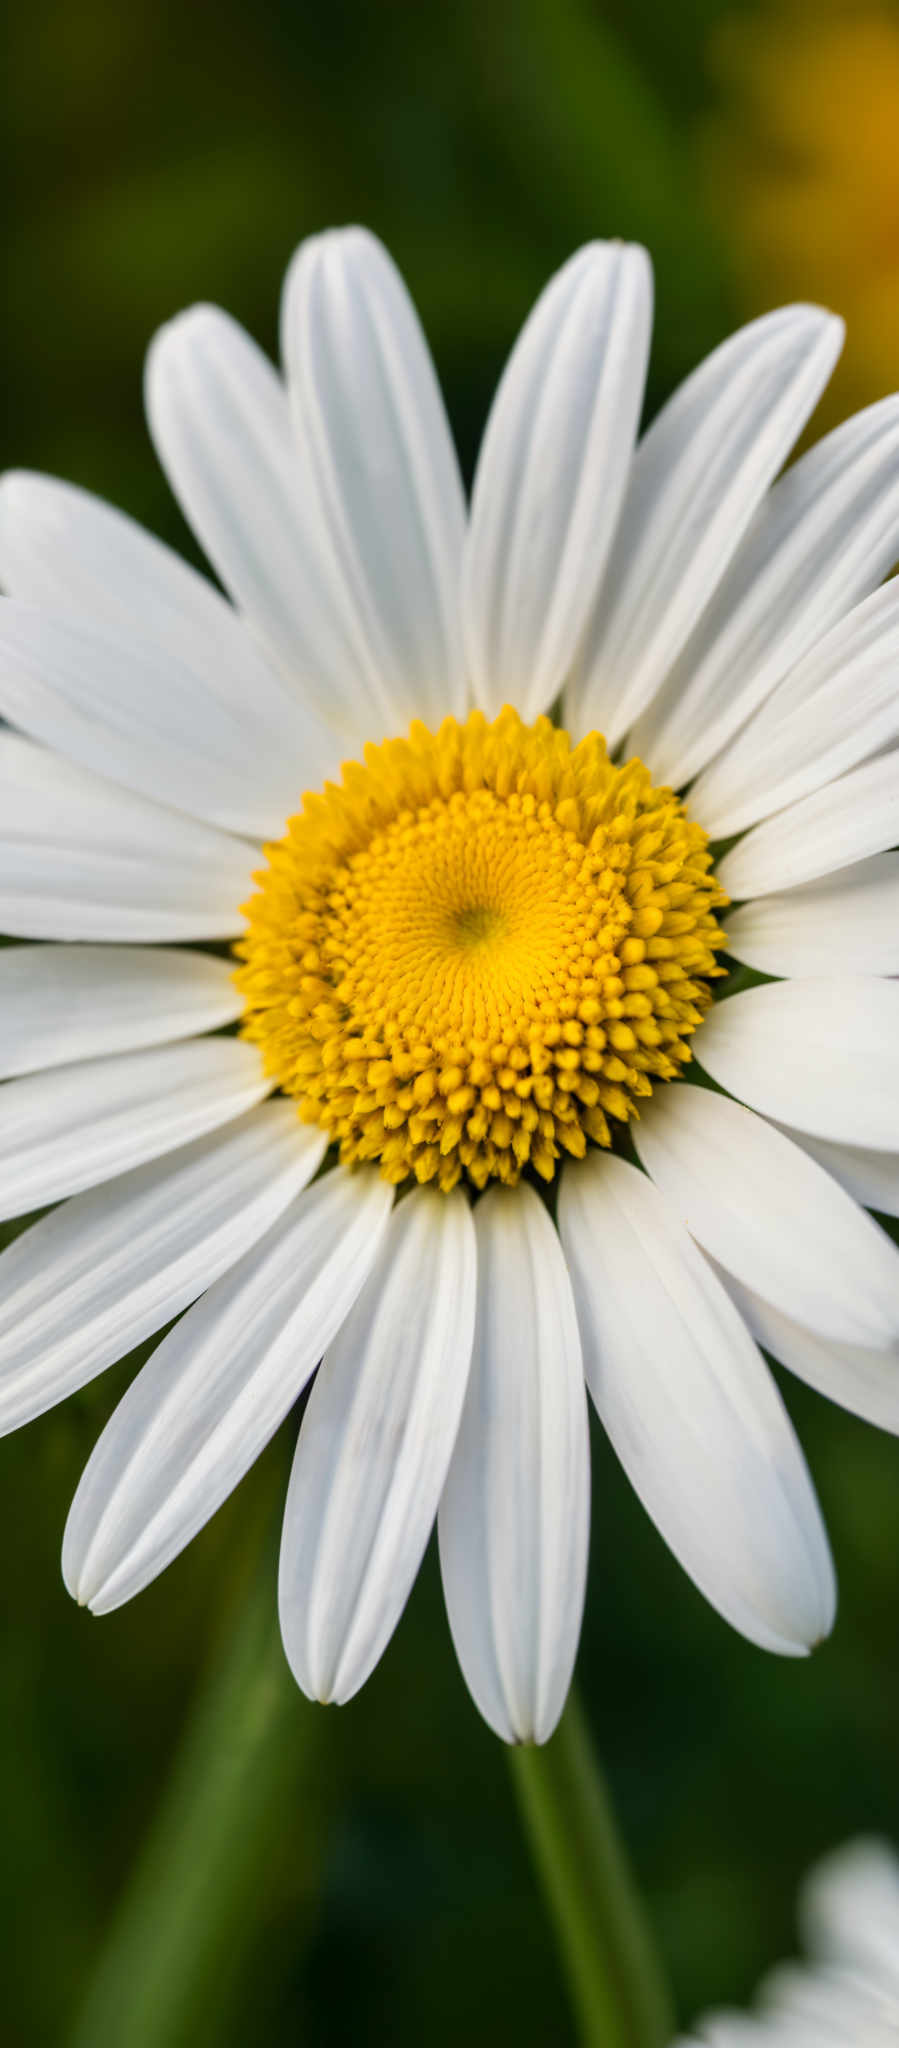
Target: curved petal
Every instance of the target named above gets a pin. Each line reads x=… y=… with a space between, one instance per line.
x=834 y=709
x=551 y=475
x=692 y=1410
x=71 y=1127
x=81 y=859
x=825 y=535
x=217 y=1388
x=372 y=416
x=697 y=478
x=823 y=1055
x=63 y=548
x=768 y=1213
x=515 y=1511
x=103 y=1271
x=374 y=1448
x=872 y=1177
x=833 y=828
x=67 y=551
x=220 y=420
x=846 y=922
x=133 y=710
x=856 y=1376
x=63 y=1003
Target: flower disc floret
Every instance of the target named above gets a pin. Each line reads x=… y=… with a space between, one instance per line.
x=478 y=951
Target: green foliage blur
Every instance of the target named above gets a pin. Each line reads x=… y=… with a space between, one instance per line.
x=159 y=154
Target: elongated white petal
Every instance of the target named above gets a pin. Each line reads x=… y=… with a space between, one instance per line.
x=697 y=478
x=837 y=707
x=106 y=1269
x=133 y=710
x=63 y=1003
x=821 y=1054
x=852 y=818
x=825 y=535
x=692 y=1410
x=371 y=414
x=768 y=1213
x=66 y=551
x=223 y=430
x=858 y=1377
x=74 y=1126
x=374 y=1448
x=847 y=922
x=552 y=473
x=872 y=1177
x=514 y=1516
x=81 y=859
x=216 y=1389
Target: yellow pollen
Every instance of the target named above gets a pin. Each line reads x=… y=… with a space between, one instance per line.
x=479 y=951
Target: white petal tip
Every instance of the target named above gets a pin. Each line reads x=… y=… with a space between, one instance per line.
x=194 y=324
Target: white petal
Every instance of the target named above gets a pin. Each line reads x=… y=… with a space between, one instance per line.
x=847 y=922
x=217 y=1388
x=727 y=2029
x=514 y=1517
x=62 y=548
x=823 y=1055
x=62 y=1003
x=696 y=481
x=106 y=1269
x=374 y=1447
x=81 y=859
x=371 y=413
x=223 y=430
x=74 y=1126
x=833 y=828
x=849 y=1911
x=552 y=473
x=830 y=2006
x=856 y=1376
x=872 y=1177
x=133 y=710
x=825 y=535
x=65 y=550
x=835 y=708
x=768 y=1213
x=692 y=1410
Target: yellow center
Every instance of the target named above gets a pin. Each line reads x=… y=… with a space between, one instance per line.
x=480 y=948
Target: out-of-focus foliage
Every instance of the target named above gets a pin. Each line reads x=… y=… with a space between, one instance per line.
x=801 y=163
x=157 y=154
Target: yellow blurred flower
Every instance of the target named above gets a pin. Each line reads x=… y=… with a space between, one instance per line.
x=802 y=162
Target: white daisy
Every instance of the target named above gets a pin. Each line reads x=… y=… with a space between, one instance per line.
x=845 y=1993
x=467 y=965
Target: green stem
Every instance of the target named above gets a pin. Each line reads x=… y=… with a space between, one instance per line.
x=244 y=1793
x=613 y=1976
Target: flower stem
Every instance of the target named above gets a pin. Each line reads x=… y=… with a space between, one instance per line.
x=613 y=1977
x=244 y=1797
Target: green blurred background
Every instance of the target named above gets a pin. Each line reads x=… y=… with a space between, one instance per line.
x=158 y=154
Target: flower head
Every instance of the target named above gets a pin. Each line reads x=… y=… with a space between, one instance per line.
x=474 y=961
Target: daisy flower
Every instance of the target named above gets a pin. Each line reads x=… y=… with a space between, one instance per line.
x=422 y=1135
x=845 y=1994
